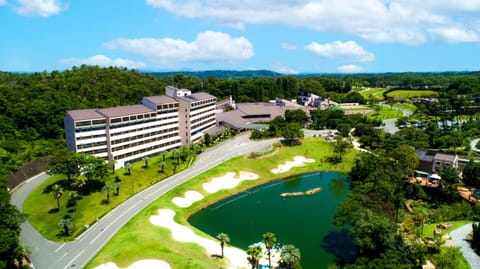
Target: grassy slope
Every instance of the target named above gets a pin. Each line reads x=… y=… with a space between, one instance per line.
x=141 y=240
x=412 y=93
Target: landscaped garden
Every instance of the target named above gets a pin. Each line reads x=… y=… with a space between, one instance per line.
x=87 y=203
x=140 y=239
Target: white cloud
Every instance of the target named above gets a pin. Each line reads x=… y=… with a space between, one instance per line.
x=349 y=51
x=208 y=47
x=3 y=2
x=350 y=68
x=38 y=8
x=288 y=46
x=456 y=35
x=283 y=69
x=400 y=21
x=103 y=61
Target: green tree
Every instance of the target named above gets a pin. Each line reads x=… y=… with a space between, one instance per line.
x=207 y=139
x=128 y=166
x=254 y=253
x=475 y=237
x=57 y=192
x=290 y=256
x=10 y=221
x=471 y=174
x=292 y=133
x=106 y=190
x=116 y=185
x=296 y=115
x=73 y=199
x=66 y=224
x=146 y=159
x=341 y=145
x=270 y=241
x=224 y=239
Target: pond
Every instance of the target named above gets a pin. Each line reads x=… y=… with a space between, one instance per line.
x=304 y=221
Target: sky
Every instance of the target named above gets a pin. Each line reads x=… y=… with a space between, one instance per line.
x=286 y=36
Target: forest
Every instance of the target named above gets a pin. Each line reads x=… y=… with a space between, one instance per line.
x=33 y=105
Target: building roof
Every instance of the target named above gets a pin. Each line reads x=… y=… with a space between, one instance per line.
x=162 y=99
x=195 y=97
x=445 y=157
x=125 y=110
x=84 y=114
x=424 y=156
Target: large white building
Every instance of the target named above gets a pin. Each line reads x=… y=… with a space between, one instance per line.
x=129 y=133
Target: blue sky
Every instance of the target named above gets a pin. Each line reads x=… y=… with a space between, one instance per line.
x=287 y=36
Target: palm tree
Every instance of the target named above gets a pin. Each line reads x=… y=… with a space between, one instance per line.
x=162 y=165
x=270 y=240
x=254 y=253
x=66 y=224
x=128 y=166
x=146 y=159
x=73 y=197
x=57 y=192
x=106 y=190
x=223 y=237
x=289 y=256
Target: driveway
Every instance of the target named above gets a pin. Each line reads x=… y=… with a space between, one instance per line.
x=46 y=254
x=458 y=239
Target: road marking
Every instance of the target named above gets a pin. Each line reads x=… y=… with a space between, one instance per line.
x=114 y=221
x=61 y=246
x=68 y=264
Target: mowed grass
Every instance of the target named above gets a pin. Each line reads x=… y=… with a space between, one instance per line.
x=384 y=113
x=41 y=208
x=140 y=239
x=375 y=93
x=412 y=94
x=429 y=228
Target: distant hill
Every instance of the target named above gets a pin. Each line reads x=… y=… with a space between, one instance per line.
x=220 y=74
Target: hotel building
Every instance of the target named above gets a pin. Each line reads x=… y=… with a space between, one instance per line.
x=130 y=133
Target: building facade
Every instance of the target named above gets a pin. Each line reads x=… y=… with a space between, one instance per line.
x=130 y=133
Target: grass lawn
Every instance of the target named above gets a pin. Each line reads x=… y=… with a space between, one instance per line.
x=412 y=94
x=41 y=208
x=376 y=93
x=139 y=239
x=406 y=106
x=384 y=113
x=429 y=228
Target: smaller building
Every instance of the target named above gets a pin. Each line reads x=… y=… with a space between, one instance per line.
x=433 y=161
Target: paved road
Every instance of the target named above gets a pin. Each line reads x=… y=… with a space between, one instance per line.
x=389 y=125
x=458 y=238
x=47 y=254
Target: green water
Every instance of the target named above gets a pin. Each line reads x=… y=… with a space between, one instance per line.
x=303 y=221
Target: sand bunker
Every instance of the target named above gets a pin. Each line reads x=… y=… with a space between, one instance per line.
x=190 y=198
x=142 y=264
x=237 y=257
x=227 y=181
x=297 y=161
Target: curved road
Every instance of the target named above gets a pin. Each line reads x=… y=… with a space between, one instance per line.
x=458 y=238
x=46 y=254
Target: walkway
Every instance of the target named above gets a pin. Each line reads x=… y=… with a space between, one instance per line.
x=46 y=254
x=473 y=145
x=458 y=239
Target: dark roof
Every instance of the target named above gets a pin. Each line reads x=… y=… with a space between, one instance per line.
x=162 y=99
x=424 y=156
x=125 y=110
x=84 y=114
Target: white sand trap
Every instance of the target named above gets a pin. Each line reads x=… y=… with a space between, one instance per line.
x=237 y=257
x=142 y=264
x=227 y=181
x=190 y=198
x=297 y=161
